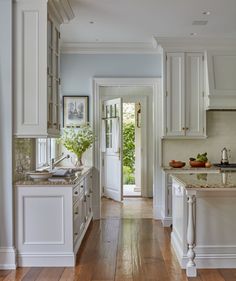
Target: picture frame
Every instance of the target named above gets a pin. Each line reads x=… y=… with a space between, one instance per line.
x=75 y=111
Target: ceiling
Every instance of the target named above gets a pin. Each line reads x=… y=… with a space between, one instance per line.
x=139 y=20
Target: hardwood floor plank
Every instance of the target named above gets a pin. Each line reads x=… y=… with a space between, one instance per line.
x=210 y=275
x=124 y=270
x=32 y=274
x=228 y=274
x=51 y=273
x=17 y=275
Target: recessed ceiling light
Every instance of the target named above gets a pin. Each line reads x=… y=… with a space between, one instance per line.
x=207 y=13
x=193 y=34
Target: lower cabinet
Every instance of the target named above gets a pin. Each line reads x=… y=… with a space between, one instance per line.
x=51 y=221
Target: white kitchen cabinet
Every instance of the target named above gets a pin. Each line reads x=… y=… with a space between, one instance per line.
x=51 y=221
x=36 y=71
x=221 y=69
x=184 y=113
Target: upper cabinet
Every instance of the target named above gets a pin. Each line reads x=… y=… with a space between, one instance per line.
x=221 y=90
x=183 y=81
x=37 y=71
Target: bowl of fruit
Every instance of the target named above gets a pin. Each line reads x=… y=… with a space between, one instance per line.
x=176 y=164
x=200 y=161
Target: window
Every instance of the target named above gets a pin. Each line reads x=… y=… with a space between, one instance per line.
x=46 y=149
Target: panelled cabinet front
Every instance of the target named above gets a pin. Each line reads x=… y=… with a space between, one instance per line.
x=36 y=71
x=184 y=103
x=51 y=222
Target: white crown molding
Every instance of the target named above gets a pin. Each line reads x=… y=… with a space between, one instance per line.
x=181 y=43
x=108 y=48
x=62 y=9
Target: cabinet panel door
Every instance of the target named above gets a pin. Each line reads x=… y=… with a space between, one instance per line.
x=175 y=109
x=194 y=95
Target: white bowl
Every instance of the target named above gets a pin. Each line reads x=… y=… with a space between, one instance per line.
x=44 y=175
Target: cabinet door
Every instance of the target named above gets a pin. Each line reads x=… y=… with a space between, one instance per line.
x=175 y=104
x=194 y=95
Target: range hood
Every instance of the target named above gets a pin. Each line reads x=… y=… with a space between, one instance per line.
x=220 y=80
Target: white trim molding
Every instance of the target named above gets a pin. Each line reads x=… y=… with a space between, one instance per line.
x=7 y=258
x=62 y=10
x=193 y=44
x=155 y=83
x=108 y=48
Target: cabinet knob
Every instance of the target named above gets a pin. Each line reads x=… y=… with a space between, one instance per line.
x=183 y=128
x=76 y=192
x=186 y=128
x=81 y=186
x=75 y=233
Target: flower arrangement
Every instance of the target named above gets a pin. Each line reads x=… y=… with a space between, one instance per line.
x=77 y=140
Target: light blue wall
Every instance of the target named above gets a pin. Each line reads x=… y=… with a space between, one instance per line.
x=77 y=70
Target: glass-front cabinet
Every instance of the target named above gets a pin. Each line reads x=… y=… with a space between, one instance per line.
x=53 y=75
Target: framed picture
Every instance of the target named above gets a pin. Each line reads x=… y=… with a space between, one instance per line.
x=75 y=111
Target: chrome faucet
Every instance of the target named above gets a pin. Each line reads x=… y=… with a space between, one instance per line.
x=59 y=159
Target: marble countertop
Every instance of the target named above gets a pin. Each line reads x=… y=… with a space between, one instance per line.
x=213 y=181
x=54 y=181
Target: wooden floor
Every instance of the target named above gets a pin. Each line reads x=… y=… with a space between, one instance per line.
x=122 y=249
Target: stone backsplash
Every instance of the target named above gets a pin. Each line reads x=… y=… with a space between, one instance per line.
x=23 y=157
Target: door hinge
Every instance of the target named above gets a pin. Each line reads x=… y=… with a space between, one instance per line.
x=103 y=189
x=103 y=162
x=168 y=211
x=59 y=81
x=202 y=58
x=203 y=94
x=166 y=93
x=203 y=129
x=166 y=57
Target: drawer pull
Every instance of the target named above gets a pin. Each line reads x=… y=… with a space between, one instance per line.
x=81 y=186
x=76 y=213
x=76 y=193
x=75 y=233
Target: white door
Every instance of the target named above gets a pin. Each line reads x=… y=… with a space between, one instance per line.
x=112 y=149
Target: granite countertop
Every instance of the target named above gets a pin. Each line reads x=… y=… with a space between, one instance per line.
x=189 y=168
x=203 y=181
x=54 y=181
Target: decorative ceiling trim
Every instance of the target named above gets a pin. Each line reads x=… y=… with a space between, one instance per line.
x=174 y=43
x=62 y=10
x=108 y=48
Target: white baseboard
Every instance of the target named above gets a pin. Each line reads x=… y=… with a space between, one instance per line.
x=46 y=260
x=209 y=257
x=7 y=258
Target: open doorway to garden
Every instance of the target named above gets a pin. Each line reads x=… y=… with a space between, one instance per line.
x=131 y=149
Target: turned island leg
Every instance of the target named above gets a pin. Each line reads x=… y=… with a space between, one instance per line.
x=191 y=269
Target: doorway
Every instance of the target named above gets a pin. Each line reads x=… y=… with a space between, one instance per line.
x=146 y=88
x=132 y=149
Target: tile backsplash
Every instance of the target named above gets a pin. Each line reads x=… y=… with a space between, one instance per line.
x=23 y=157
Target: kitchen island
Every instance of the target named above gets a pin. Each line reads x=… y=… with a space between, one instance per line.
x=204 y=227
